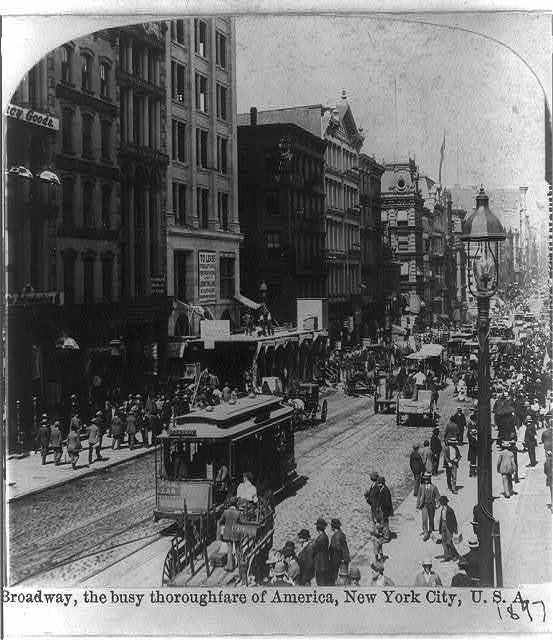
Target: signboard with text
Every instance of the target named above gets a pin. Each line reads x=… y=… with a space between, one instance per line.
x=32 y=117
x=207 y=276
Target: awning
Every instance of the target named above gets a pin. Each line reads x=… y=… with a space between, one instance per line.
x=247 y=302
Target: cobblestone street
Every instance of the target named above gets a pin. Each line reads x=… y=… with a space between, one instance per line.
x=69 y=534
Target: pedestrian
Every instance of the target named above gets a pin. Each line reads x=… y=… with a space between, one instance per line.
x=472 y=560
x=305 y=559
x=321 y=554
x=506 y=467
x=461 y=578
x=427 y=577
x=378 y=578
x=338 y=552
x=101 y=423
x=547 y=472
x=385 y=506
x=451 y=464
x=472 y=437
x=43 y=438
x=417 y=468
x=93 y=439
x=116 y=431
x=426 y=455
x=291 y=561
x=56 y=442
x=73 y=444
x=145 y=428
x=448 y=528
x=460 y=420
x=131 y=427
x=531 y=441
x=451 y=431
x=377 y=537
x=371 y=496
x=427 y=501
x=226 y=392
x=547 y=438
x=436 y=449
x=280 y=577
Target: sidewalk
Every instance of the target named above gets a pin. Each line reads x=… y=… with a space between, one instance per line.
x=525 y=522
x=27 y=476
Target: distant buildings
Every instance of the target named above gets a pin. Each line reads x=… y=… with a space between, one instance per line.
x=281 y=195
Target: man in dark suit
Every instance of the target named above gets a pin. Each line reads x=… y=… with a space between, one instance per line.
x=447 y=528
x=43 y=438
x=461 y=422
x=417 y=467
x=427 y=499
x=321 y=559
x=305 y=559
x=371 y=496
x=93 y=438
x=385 y=506
x=338 y=551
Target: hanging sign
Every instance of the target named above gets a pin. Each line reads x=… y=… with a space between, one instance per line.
x=32 y=117
x=207 y=276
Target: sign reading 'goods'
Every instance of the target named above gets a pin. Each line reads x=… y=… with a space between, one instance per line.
x=207 y=276
x=33 y=117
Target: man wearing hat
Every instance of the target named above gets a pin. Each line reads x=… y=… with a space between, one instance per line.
x=56 y=442
x=93 y=438
x=427 y=577
x=531 y=440
x=472 y=560
x=385 y=506
x=427 y=501
x=320 y=554
x=43 y=437
x=291 y=561
x=417 y=467
x=447 y=527
x=305 y=558
x=280 y=577
x=338 y=552
x=451 y=463
x=461 y=422
x=462 y=579
x=378 y=578
x=506 y=467
x=371 y=496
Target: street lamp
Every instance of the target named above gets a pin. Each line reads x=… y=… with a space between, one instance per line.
x=482 y=233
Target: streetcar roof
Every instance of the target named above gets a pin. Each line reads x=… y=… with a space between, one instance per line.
x=227 y=421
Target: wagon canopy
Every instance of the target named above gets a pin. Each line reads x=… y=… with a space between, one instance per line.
x=427 y=351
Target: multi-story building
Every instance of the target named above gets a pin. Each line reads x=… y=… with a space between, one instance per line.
x=203 y=234
x=402 y=218
x=281 y=194
x=373 y=256
x=336 y=125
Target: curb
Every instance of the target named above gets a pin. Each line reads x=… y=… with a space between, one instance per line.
x=89 y=472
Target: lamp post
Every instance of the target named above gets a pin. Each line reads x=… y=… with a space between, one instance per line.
x=482 y=233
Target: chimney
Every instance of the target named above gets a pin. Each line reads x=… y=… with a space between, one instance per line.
x=253 y=116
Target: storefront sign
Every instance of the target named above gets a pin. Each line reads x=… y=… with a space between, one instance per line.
x=35 y=297
x=32 y=117
x=207 y=276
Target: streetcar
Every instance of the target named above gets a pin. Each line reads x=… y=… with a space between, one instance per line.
x=199 y=463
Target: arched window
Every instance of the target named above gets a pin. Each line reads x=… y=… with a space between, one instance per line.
x=66 y=57
x=86 y=64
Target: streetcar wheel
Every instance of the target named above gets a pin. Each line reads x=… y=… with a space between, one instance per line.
x=324 y=411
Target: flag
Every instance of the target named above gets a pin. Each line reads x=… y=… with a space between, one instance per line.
x=442 y=151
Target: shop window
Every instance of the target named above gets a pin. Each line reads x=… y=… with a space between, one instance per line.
x=200 y=37
x=221 y=50
x=226 y=270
